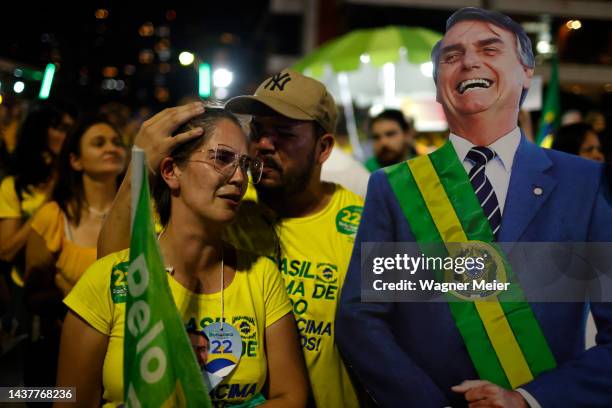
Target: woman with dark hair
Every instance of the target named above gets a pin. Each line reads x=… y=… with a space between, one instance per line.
x=65 y=231
x=39 y=141
x=62 y=241
x=579 y=139
x=197 y=191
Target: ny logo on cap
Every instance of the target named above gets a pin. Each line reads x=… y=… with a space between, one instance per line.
x=278 y=81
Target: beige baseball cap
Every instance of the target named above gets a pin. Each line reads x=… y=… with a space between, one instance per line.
x=292 y=95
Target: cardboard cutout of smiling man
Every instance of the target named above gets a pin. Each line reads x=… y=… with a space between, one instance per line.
x=487 y=183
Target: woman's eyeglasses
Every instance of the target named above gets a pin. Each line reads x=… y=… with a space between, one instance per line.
x=225 y=161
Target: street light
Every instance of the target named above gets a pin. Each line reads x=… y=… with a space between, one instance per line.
x=47 y=81
x=186 y=58
x=18 y=87
x=543 y=47
x=204 y=80
x=222 y=78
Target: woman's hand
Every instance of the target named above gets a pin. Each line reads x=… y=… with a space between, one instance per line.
x=155 y=138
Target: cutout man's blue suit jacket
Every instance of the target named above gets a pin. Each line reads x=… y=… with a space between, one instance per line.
x=410 y=354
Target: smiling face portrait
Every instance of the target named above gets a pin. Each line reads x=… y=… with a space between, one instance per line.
x=480 y=70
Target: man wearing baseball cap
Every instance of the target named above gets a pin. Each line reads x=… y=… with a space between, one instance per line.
x=307 y=225
x=294 y=118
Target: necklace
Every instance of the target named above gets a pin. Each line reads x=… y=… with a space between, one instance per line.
x=97 y=213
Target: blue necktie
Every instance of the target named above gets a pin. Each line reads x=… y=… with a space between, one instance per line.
x=480 y=156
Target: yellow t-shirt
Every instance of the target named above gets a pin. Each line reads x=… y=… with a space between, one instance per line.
x=313 y=255
x=71 y=259
x=254 y=300
x=12 y=207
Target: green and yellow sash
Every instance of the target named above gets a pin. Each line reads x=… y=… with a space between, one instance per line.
x=503 y=338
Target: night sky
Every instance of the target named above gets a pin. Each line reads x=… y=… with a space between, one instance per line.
x=238 y=35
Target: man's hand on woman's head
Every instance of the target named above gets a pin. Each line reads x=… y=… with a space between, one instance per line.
x=155 y=134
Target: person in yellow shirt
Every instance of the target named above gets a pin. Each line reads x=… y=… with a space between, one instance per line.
x=294 y=119
x=305 y=225
x=32 y=176
x=197 y=191
x=65 y=230
x=62 y=243
x=39 y=142
x=312 y=253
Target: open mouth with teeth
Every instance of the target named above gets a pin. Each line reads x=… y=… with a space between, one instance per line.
x=473 y=83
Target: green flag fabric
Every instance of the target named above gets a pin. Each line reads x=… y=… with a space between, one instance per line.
x=160 y=368
x=551 y=113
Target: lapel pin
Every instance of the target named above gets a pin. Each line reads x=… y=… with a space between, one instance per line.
x=538 y=191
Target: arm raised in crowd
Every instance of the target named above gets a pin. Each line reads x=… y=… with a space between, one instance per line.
x=155 y=138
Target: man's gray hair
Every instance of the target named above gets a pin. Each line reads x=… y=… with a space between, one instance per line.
x=523 y=43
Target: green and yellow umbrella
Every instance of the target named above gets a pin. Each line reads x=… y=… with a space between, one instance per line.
x=379 y=45
x=352 y=66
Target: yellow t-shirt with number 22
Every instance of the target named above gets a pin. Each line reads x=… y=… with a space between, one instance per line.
x=315 y=253
x=254 y=300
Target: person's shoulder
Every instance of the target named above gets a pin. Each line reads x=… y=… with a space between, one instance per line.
x=48 y=211
x=252 y=230
x=7 y=182
x=378 y=184
x=575 y=175
x=252 y=261
x=573 y=164
x=383 y=173
x=48 y=222
x=9 y=201
x=111 y=261
x=344 y=213
x=7 y=187
x=97 y=293
x=102 y=272
x=343 y=196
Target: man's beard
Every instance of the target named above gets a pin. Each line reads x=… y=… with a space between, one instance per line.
x=289 y=185
x=387 y=157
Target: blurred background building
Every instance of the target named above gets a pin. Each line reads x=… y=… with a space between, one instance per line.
x=146 y=57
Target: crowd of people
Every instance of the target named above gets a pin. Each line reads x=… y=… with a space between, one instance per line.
x=253 y=237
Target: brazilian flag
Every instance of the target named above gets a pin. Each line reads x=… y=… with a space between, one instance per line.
x=160 y=368
x=551 y=113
